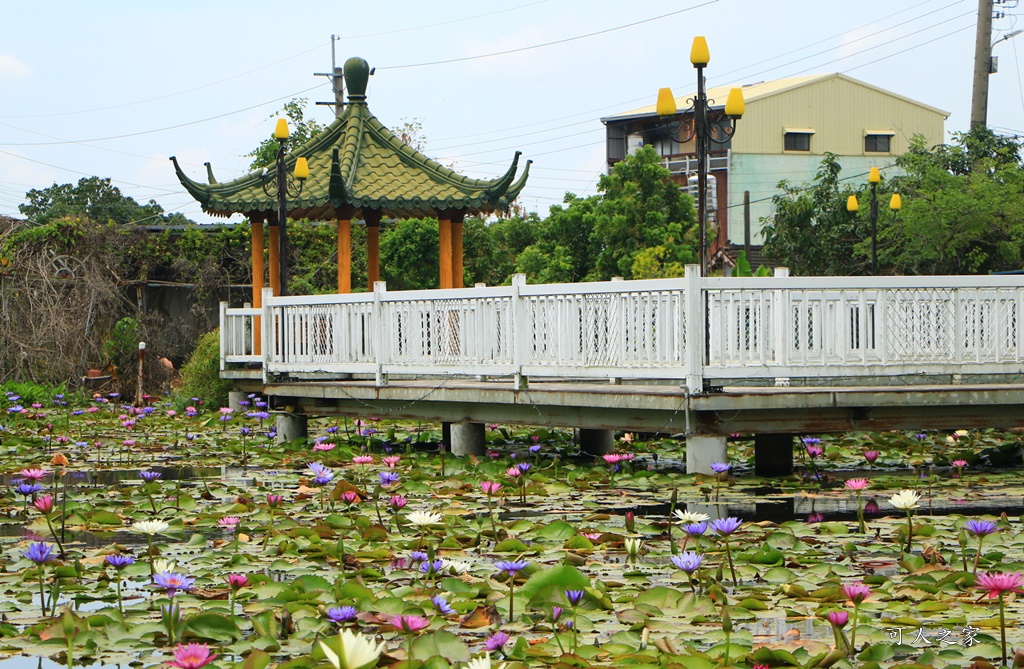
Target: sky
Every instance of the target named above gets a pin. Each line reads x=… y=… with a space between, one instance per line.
x=113 y=88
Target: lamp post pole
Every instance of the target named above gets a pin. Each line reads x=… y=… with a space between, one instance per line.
x=725 y=121
x=874 y=229
x=874 y=176
x=282 y=215
x=700 y=121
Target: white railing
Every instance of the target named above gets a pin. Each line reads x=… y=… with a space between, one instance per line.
x=238 y=342
x=677 y=329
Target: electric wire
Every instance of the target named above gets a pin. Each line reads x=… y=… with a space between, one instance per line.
x=547 y=44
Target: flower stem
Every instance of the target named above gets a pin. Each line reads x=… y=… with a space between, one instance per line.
x=981 y=538
x=910 y=530
x=732 y=570
x=853 y=630
x=1002 y=627
x=42 y=594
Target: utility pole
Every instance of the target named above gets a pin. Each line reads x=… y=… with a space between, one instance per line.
x=337 y=78
x=982 y=64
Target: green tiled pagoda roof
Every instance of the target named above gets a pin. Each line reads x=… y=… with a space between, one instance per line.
x=356 y=164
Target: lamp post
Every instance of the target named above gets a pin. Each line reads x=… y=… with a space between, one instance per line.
x=703 y=118
x=282 y=188
x=895 y=204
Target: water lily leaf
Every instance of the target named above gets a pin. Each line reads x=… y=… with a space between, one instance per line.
x=212 y=627
x=774 y=657
x=436 y=662
x=784 y=575
x=753 y=604
x=565 y=577
x=558 y=530
x=457 y=586
x=105 y=518
x=311 y=583
x=767 y=555
x=661 y=597
x=696 y=662
x=511 y=546
x=879 y=652
x=257 y=659
x=440 y=643
x=578 y=542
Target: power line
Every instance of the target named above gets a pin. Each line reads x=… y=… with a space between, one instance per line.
x=150 y=132
x=546 y=44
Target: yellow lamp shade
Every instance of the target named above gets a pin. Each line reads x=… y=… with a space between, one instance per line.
x=874 y=176
x=896 y=203
x=301 y=169
x=281 y=129
x=851 y=203
x=666 y=102
x=734 y=105
x=699 y=54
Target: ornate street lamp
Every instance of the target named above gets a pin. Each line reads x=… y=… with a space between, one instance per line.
x=281 y=186
x=895 y=204
x=704 y=118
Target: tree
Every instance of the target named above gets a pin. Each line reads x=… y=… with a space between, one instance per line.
x=93 y=198
x=409 y=254
x=811 y=231
x=963 y=208
x=301 y=130
x=642 y=208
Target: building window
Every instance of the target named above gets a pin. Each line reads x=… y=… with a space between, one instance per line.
x=876 y=143
x=797 y=141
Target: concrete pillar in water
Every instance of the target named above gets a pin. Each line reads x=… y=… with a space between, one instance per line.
x=596 y=442
x=235 y=399
x=446 y=435
x=291 y=426
x=702 y=450
x=467 y=439
x=773 y=454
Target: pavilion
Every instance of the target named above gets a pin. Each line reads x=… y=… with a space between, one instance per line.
x=358 y=170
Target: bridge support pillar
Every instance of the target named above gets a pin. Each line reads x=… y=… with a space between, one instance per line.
x=468 y=439
x=596 y=442
x=235 y=399
x=291 y=426
x=702 y=450
x=773 y=454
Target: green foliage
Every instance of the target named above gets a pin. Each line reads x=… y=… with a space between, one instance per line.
x=301 y=130
x=963 y=208
x=963 y=213
x=811 y=232
x=643 y=208
x=31 y=392
x=93 y=198
x=121 y=347
x=200 y=375
x=640 y=226
x=409 y=254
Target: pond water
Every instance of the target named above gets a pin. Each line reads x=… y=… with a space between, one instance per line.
x=777 y=576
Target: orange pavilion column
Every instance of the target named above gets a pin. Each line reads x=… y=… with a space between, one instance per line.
x=275 y=249
x=457 y=249
x=372 y=218
x=344 y=255
x=256 y=235
x=445 y=247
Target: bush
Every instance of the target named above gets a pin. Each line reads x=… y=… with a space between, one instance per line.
x=200 y=375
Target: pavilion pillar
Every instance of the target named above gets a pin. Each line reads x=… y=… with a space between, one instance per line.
x=344 y=255
x=256 y=235
x=275 y=253
x=457 y=250
x=444 y=222
x=372 y=218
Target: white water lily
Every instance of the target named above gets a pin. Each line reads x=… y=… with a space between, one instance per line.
x=905 y=499
x=149 y=527
x=483 y=662
x=160 y=565
x=357 y=652
x=458 y=566
x=423 y=518
x=633 y=546
x=689 y=517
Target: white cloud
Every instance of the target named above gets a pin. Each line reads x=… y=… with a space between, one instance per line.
x=12 y=68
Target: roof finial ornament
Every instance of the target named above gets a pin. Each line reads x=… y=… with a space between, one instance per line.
x=357 y=72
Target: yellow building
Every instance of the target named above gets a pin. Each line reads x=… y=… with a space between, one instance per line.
x=788 y=126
